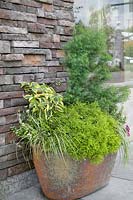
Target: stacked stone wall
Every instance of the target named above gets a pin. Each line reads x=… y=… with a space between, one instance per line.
x=32 y=34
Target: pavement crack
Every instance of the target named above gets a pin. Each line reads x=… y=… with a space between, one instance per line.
x=121 y=178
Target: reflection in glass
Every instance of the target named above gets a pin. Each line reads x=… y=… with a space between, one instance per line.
x=116 y=17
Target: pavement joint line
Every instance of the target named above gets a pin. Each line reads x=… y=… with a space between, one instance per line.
x=121 y=178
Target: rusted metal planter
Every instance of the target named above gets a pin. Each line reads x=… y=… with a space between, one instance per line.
x=72 y=179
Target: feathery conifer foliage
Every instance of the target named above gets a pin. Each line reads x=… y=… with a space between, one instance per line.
x=86 y=63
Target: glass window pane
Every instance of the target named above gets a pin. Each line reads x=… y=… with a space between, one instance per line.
x=117 y=17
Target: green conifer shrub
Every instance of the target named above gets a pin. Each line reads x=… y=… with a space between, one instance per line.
x=86 y=62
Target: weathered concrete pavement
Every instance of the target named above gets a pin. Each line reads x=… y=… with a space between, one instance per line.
x=128 y=109
x=119 y=188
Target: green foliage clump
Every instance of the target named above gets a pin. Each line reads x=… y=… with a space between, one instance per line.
x=86 y=61
x=129 y=51
x=93 y=134
x=81 y=130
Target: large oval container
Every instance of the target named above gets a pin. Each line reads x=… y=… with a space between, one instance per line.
x=71 y=179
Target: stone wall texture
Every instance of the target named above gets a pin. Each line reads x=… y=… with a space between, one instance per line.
x=32 y=34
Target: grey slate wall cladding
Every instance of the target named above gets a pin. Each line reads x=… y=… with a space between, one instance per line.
x=32 y=33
